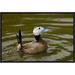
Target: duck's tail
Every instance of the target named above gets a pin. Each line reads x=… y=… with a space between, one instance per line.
x=19 y=37
x=19 y=40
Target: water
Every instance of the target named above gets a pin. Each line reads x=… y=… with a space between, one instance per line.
x=59 y=37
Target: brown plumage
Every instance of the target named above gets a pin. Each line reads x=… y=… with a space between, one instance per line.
x=33 y=47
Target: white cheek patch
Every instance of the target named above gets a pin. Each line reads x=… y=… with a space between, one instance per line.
x=38 y=31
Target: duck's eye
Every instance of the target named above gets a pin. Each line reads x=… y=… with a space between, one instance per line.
x=39 y=27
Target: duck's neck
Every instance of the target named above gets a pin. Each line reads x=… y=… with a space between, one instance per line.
x=38 y=38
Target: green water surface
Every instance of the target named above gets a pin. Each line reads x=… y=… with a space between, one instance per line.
x=59 y=37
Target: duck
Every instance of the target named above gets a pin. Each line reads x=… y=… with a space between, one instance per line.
x=37 y=46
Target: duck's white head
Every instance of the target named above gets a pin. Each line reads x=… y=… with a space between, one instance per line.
x=39 y=30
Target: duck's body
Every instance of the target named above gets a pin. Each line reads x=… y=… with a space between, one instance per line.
x=34 y=47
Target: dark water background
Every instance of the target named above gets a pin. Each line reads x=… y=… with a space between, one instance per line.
x=59 y=37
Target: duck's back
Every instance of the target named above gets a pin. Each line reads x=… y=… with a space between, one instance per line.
x=35 y=47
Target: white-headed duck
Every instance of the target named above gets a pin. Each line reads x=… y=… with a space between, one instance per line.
x=33 y=47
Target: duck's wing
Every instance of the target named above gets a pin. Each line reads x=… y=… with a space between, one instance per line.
x=27 y=45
